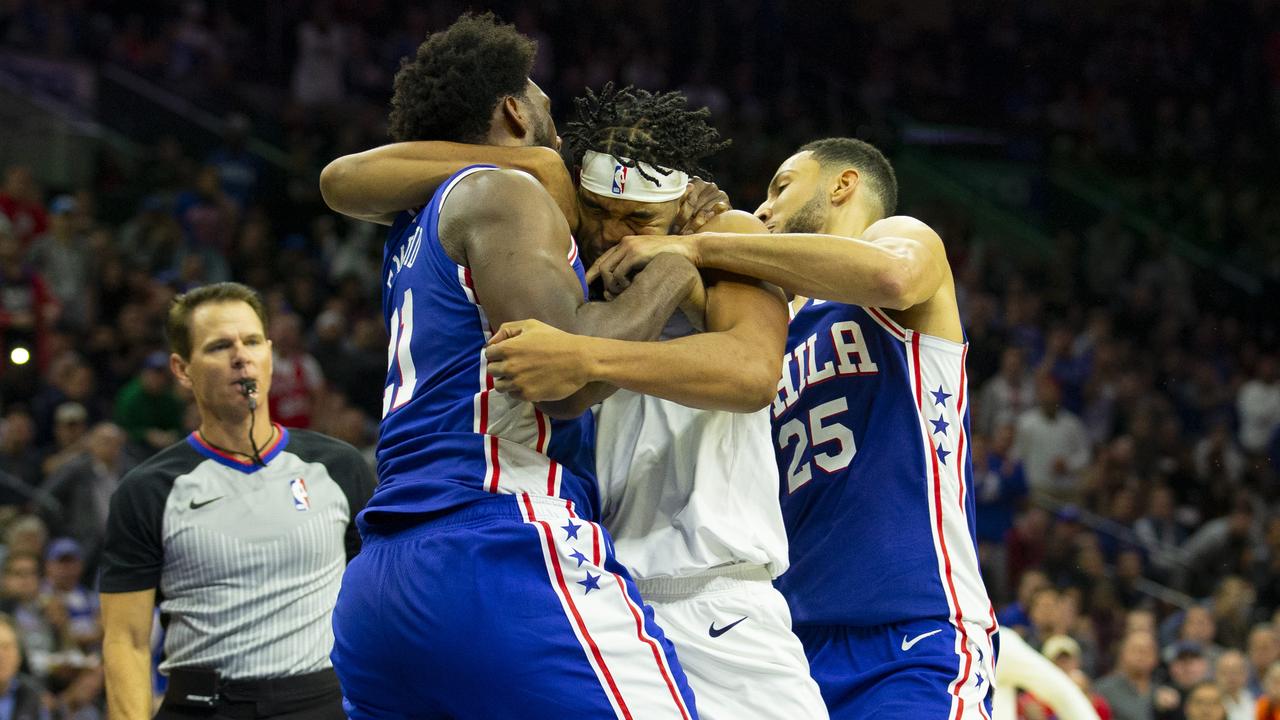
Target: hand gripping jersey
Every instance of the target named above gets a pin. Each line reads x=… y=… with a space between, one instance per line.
x=872 y=429
x=447 y=438
x=687 y=490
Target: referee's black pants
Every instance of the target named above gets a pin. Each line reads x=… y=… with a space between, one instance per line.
x=314 y=696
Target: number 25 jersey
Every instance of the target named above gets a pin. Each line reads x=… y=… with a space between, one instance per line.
x=871 y=423
x=448 y=438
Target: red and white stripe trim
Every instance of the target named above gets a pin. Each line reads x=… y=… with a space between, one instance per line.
x=629 y=663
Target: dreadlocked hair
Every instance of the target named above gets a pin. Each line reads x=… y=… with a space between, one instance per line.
x=448 y=88
x=642 y=127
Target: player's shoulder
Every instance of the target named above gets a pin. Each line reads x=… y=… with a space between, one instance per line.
x=735 y=221
x=495 y=188
x=903 y=226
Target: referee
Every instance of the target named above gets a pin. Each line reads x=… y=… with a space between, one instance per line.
x=240 y=533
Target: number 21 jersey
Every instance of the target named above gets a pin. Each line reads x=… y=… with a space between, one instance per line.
x=871 y=423
x=447 y=438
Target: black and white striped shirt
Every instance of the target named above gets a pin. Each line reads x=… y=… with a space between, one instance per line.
x=246 y=560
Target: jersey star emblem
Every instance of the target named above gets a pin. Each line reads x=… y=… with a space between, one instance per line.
x=591 y=583
x=939 y=397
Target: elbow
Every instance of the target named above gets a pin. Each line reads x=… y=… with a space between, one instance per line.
x=897 y=285
x=759 y=388
x=333 y=178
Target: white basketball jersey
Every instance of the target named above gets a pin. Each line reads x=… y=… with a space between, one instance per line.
x=685 y=490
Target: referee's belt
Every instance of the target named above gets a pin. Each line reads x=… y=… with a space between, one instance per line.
x=274 y=696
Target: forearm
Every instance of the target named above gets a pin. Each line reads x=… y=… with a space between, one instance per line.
x=818 y=266
x=639 y=313
x=128 y=678
x=712 y=371
x=643 y=309
x=393 y=178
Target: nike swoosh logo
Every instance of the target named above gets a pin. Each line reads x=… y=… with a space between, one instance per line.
x=715 y=632
x=196 y=506
x=908 y=644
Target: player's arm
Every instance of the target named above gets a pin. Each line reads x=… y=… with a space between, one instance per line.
x=516 y=242
x=734 y=366
x=126 y=650
x=377 y=184
x=898 y=263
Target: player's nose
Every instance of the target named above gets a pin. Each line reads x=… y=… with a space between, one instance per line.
x=765 y=211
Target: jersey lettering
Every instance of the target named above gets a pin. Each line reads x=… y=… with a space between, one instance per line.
x=800 y=368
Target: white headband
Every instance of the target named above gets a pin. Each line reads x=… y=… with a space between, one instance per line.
x=603 y=174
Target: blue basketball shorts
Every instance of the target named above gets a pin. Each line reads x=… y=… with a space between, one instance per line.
x=924 y=669
x=510 y=607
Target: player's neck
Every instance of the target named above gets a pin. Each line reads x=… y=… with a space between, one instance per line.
x=850 y=223
x=233 y=433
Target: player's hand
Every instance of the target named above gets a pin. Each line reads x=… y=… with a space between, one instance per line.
x=532 y=361
x=702 y=201
x=622 y=261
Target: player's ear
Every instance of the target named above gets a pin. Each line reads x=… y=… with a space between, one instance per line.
x=514 y=117
x=844 y=186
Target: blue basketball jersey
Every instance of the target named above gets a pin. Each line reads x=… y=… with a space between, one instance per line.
x=872 y=425
x=447 y=437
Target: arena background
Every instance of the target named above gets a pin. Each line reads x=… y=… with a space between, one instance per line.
x=1103 y=174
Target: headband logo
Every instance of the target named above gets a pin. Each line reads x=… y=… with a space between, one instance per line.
x=619 y=179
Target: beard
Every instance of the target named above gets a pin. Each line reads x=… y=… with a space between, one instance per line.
x=810 y=218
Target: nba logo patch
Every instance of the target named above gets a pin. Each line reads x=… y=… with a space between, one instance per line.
x=619 y=179
x=301 y=499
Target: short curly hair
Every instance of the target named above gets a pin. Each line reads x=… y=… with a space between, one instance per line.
x=640 y=126
x=447 y=91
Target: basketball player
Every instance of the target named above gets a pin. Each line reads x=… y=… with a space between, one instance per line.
x=688 y=494
x=871 y=423
x=485 y=588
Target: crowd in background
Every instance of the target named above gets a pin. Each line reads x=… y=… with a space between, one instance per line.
x=1126 y=401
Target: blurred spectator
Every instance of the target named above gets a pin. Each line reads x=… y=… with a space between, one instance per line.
x=39 y=624
x=22 y=204
x=1219 y=546
x=1232 y=675
x=1217 y=456
x=1188 y=666
x=61 y=256
x=70 y=427
x=999 y=488
x=23 y=697
x=296 y=378
x=1016 y=616
x=1043 y=617
x=81 y=489
x=1160 y=532
x=1005 y=397
x=1269 y=703
x=148 y=409
x=64 y=568
x=1199 y=629
x=1130 y=688
x=1025 y=545
x=1204 y=701
x=1065 y=652
x=19 y=459
x=1258 y=403
x=1263 y=650
x=1052 y=445
x=80 y=699
x=239 y=170
x=320 y=70
x=208 y=217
